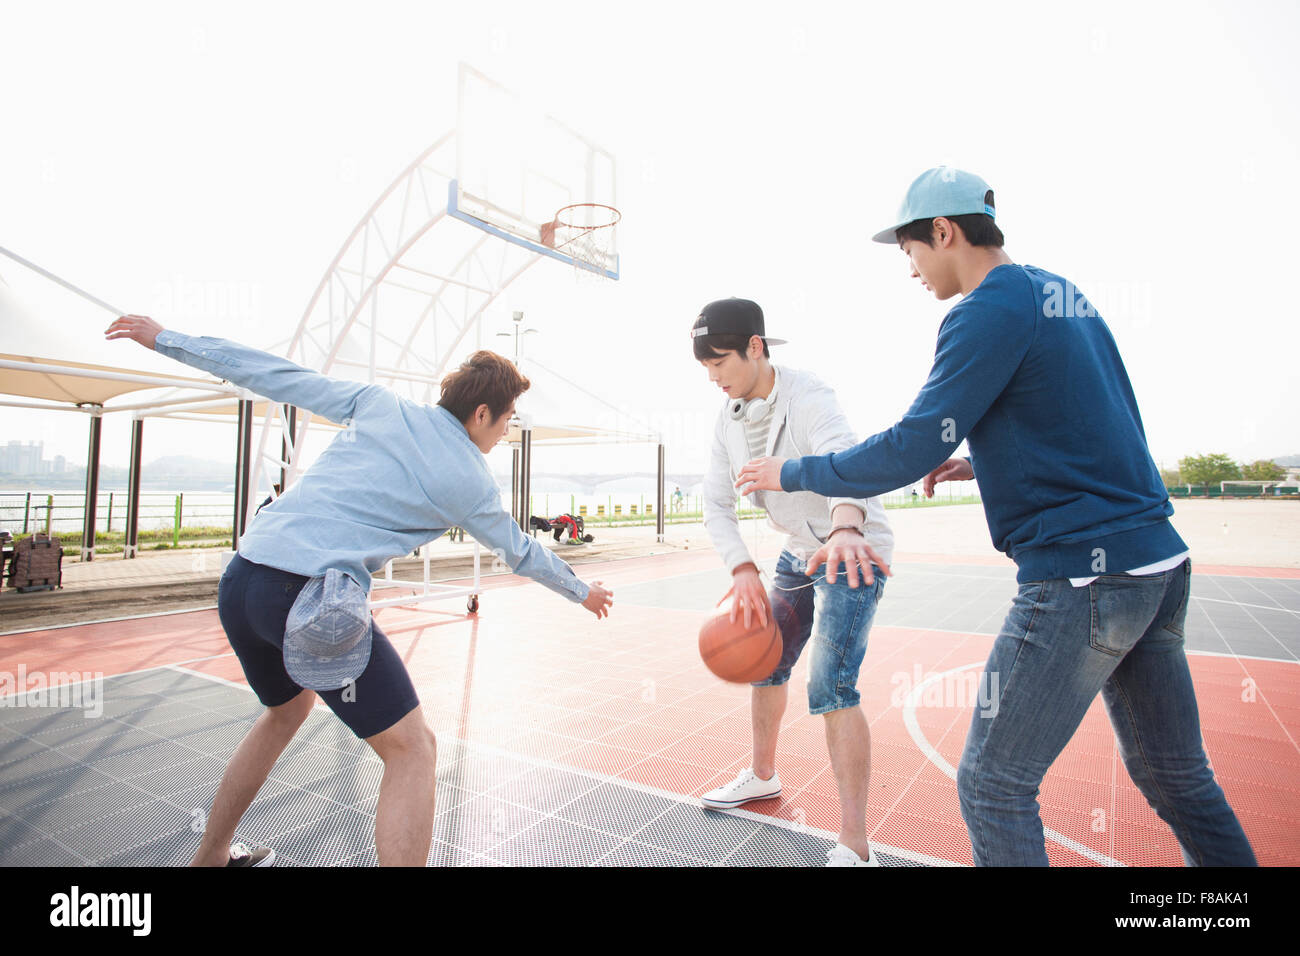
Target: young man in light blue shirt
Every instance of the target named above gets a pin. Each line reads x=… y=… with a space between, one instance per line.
x=400 y=475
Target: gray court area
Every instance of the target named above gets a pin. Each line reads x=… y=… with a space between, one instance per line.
x=131 y=788
x=1251 y=617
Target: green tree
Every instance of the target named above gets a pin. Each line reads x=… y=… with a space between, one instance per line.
x=1172 y=479
x=1208 y=469
x=1263 y=470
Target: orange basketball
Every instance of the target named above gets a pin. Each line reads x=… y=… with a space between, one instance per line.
x=738 y=654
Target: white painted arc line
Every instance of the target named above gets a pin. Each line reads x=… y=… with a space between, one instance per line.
x=936 y=758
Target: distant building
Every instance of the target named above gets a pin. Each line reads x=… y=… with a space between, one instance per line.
x=24 y=458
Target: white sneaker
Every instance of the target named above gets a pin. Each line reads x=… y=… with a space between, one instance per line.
x=840 y=855
x=747 y=787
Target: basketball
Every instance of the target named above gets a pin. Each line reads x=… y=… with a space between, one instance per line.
x=738 y=654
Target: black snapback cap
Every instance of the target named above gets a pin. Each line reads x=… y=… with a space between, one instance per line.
x=733 y=317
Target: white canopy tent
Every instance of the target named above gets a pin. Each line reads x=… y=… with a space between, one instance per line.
x=35 y=381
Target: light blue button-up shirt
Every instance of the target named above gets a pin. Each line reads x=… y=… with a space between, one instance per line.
x=399 y=475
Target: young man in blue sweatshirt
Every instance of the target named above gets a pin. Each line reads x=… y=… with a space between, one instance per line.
x=1026 y=372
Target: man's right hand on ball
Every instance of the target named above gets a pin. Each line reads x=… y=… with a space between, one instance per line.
x=751 y=596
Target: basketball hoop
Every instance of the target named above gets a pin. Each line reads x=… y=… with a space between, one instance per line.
x=584 y=231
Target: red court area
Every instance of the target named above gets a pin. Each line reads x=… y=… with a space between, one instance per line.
x=627 y=698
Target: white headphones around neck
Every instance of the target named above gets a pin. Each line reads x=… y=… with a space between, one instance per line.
x=749 y=410
x=753 y=410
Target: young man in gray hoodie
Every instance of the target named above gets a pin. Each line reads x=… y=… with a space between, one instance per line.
x=782 y=411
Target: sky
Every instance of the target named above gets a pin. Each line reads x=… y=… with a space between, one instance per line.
x=203 y=164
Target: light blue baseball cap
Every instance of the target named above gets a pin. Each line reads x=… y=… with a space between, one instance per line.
x=942 y=191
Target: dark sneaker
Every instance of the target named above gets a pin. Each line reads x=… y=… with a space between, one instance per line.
x=241 y=855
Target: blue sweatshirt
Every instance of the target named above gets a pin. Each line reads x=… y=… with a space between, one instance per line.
x=397 y=477
x=1027 y=372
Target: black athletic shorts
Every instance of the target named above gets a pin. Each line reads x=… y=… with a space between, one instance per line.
x=253 y=601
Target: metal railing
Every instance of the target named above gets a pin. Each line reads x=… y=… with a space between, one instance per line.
x=63 y=514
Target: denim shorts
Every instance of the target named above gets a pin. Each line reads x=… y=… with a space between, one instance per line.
x=253 y=601
x=836 y=617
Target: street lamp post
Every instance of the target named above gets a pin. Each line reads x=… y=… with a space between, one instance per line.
x=521 y=482
x=519 y=330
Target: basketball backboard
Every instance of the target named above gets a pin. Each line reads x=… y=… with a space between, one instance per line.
x=517 y=168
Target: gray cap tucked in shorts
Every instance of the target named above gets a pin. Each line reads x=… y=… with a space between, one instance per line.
x=327 y=634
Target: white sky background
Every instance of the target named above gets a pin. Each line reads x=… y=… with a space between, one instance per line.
x=205 y=167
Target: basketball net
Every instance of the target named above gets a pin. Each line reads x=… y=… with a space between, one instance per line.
x=585 y=232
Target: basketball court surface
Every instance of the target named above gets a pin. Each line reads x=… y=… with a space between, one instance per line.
x=569 y=741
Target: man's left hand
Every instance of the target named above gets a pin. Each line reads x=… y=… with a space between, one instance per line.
x=761 y=474
x=851 y=548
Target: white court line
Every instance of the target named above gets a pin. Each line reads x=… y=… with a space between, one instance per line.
x=917 y=569
x=1240 y=657
x=179 y=668
x=1261 y=607
x=1255 y=683
x=142 y=670
x=1286 y=584
x=212 y=677
x=110 y=620
x=1259 y=623
x=1190 y=652
x=689 y=801
x=936 y=758
x=1252 y=583
x=976 y=595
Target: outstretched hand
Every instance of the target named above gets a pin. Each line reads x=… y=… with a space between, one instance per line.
x=139 y=328
x=761 y=474
x=599 y=600
x=954 y=469
x=850 y=548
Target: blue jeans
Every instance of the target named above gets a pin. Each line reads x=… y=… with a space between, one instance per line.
x=836 y=617
x=1059 y=646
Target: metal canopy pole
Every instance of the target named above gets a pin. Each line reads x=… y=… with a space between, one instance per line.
x=92 y=484
x=514 y=483
x=133 y=490
x=659 y=501
x=243 y=456
x=525 y=478
x=286 y=449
